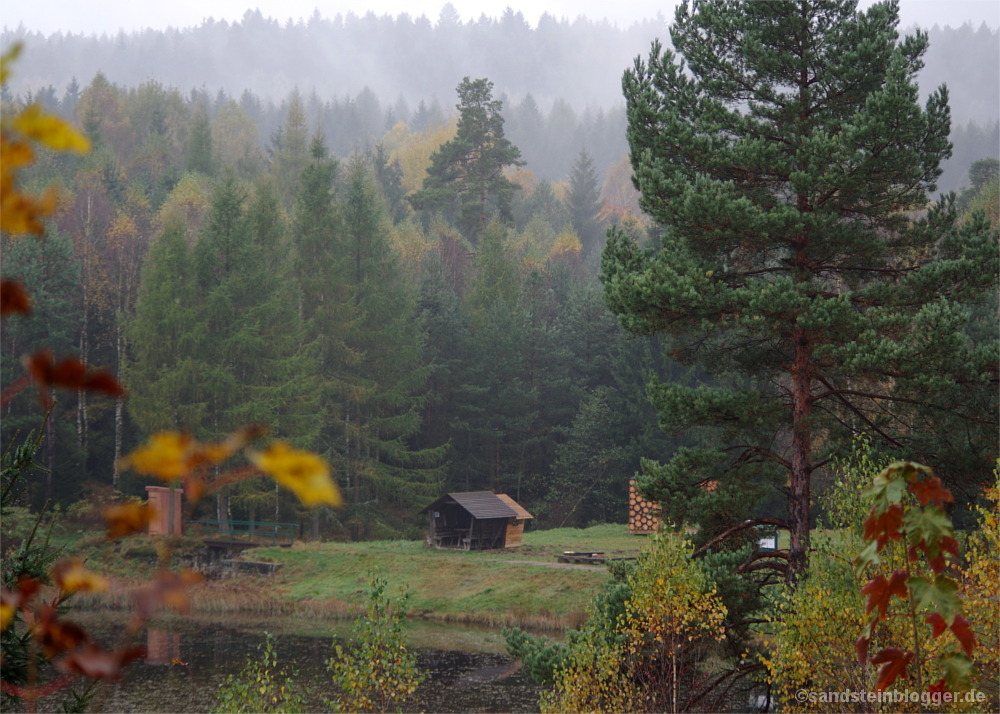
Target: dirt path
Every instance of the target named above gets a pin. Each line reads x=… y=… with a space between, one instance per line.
x=542 y=563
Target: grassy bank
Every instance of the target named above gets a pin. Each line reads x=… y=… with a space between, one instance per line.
x=327 y=580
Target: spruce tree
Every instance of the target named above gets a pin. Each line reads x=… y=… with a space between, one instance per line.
x=163 y=373
x=217 y=339
x=466 y=174
x=382 y=408
x=198 y=154
x=783 y=146
x=585 y=202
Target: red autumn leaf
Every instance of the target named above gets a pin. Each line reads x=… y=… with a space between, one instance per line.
x=884 y=526
x=894 y=662
x=937 y=563
x=861 y=648
x=880 y=591
x=71 y=373
x=930 y=489
x=61 y=636
x=963 y=633
x=939 y=686
x=937 y=622
x=13 y=298
x=93 y=662
x=27 y=587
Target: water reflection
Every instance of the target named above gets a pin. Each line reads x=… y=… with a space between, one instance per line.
x=187 y=661
x=162 y=647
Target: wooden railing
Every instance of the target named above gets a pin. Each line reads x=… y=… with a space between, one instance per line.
x=256 y=532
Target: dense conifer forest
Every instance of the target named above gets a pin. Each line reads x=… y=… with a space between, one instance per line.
x=254 y=239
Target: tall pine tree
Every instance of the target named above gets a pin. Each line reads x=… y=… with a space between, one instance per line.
x=783 y=146
x=466 y=176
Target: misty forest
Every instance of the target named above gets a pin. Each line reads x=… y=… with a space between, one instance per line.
x=745 y=256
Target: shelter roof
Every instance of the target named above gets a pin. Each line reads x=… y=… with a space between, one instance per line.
x=521 y=511
x=481 y=504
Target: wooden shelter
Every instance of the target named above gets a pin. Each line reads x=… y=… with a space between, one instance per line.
x=643 y=515
x=476 y=520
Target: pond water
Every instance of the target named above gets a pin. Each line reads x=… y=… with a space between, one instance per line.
x=467 y=669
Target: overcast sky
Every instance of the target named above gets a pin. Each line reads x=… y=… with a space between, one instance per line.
x=100 y=16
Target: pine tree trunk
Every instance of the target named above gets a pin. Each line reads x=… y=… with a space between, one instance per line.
x=801 y=466
x=119 y=415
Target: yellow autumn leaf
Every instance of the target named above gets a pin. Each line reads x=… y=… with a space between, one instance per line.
x=5 y=61
x=49 y=130
x=6 y=615
x=127 y=518
x=172 y=455
x=165 y=456
x=302 y=472
x=71 y=576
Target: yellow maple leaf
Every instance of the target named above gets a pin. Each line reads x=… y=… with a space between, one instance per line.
x=302 y=472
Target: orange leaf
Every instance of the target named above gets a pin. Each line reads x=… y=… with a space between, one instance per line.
x=13 y=298
x=884 y=526
x=963 y=633
x=128 y=518
x=71 y=576
x=880 y=591
x=894 y=662
x=71 y=373
x=930 y=489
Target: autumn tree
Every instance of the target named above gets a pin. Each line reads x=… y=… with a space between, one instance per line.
x=466 y=175
x=787 y=155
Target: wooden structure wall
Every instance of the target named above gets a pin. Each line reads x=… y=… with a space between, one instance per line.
x=643 y=515
x=158 y=498
x=515 y=527
x=475 y=520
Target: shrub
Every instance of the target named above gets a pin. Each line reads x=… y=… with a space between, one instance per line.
x=377 y=670
x=261 y=687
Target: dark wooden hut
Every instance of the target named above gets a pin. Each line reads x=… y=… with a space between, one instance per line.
x=476 y=520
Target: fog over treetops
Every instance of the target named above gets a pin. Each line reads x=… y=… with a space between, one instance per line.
x=580 y=61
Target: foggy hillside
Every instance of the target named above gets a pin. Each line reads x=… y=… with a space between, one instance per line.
x=563 y=74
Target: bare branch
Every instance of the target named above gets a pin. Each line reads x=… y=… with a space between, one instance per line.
x=779 y=522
